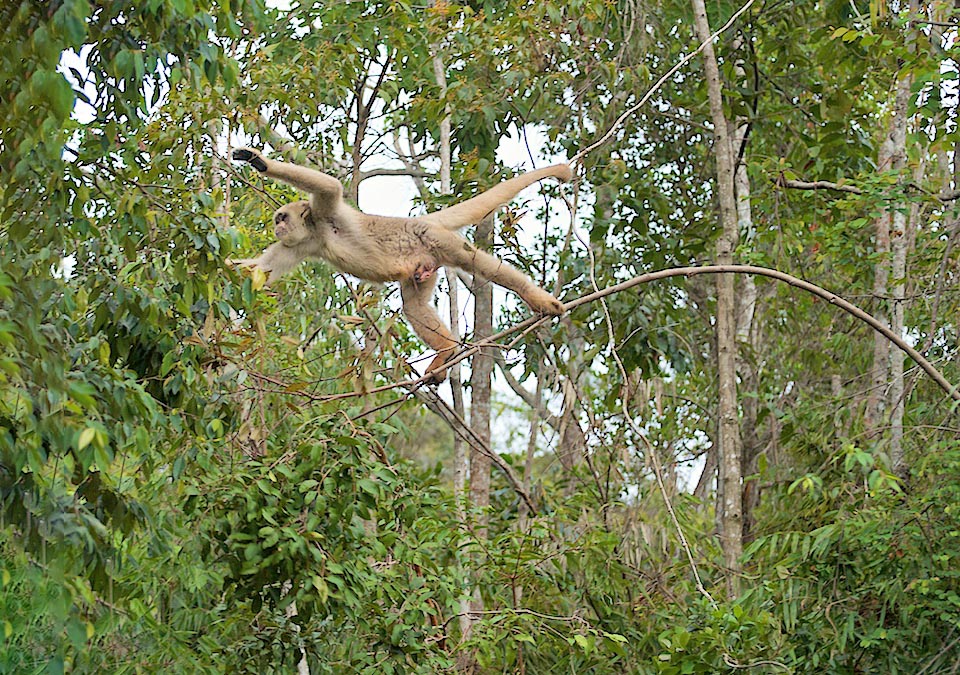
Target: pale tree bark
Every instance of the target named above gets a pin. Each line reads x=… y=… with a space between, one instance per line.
x=891 y=157
x=480 y=387
x=746 y=326
x=460 y=456
x=748 y=333
x=902 y=238
x=459 y=447
x=901 y=241
x=480 y=381
x=728 y=427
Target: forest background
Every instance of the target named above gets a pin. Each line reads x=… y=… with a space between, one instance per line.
x=698 y=474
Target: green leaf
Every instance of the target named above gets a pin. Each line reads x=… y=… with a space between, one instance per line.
x=86 y=437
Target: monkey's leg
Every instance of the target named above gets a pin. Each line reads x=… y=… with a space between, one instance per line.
x=465 y=255
x=426 y=323
x=473 y=210
x=300 y=177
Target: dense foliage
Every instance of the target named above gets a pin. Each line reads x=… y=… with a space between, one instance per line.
x=192 y=479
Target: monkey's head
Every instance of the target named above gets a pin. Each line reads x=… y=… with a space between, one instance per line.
x=292 y=223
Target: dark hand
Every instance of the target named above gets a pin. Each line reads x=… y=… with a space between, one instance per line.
x=254 y=158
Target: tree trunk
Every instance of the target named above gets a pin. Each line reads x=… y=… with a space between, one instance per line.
x=901 y=240
x=890 y=227
x=728 y=431
x=480 y=381
x=460 y=457
x=747 y=330
x=480 y=388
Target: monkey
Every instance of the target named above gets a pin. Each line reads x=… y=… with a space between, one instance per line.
x=383 y=248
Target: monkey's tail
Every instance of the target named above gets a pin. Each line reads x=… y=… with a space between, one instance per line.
x=473 y=210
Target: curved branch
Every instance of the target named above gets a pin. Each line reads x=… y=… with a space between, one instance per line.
x=832 y=298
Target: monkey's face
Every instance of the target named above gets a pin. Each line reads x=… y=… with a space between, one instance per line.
x=290 y=223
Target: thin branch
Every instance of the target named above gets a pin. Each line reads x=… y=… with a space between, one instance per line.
x=659 y=83
x=651 y=451
x=780 y=181
x=729 y=660
x=793 y=184
x=433 y=402
x=419 y=173
x=464 y=431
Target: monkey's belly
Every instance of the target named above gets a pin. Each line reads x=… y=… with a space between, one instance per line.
x=377 y=267
x=385 y=252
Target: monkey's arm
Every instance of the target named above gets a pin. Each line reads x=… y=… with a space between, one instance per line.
x=276 y=261
x=320 y=184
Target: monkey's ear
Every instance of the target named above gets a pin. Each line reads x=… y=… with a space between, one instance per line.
x=307 y=215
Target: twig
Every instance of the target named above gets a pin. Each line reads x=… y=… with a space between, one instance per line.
x=651 y=452
x=730 y=661
x=372 y=173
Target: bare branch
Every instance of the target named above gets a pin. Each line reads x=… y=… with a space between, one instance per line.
x=659 y=83
x=780 y=181
x=816 y=185
x=419 y=173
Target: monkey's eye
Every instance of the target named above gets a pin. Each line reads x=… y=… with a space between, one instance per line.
x=281 y=218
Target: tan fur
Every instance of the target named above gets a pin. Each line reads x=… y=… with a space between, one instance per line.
x=381 y=248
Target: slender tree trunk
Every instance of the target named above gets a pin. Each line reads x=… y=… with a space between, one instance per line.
x=480 y=382
x=898 y=269
x=480 y=388
x=460 y=456
x=881 y=346
x=747 y=330
x=747 y=334
x=730 y=470
x=891 y=223
x=901 y=240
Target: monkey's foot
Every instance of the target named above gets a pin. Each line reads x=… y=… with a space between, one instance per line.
x=543 y=303
x=252 y=156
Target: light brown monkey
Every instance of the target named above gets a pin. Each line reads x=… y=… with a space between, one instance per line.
x=381 y=248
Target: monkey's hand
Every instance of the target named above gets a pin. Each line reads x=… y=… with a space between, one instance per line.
x=254 y=266
x=253 y=157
